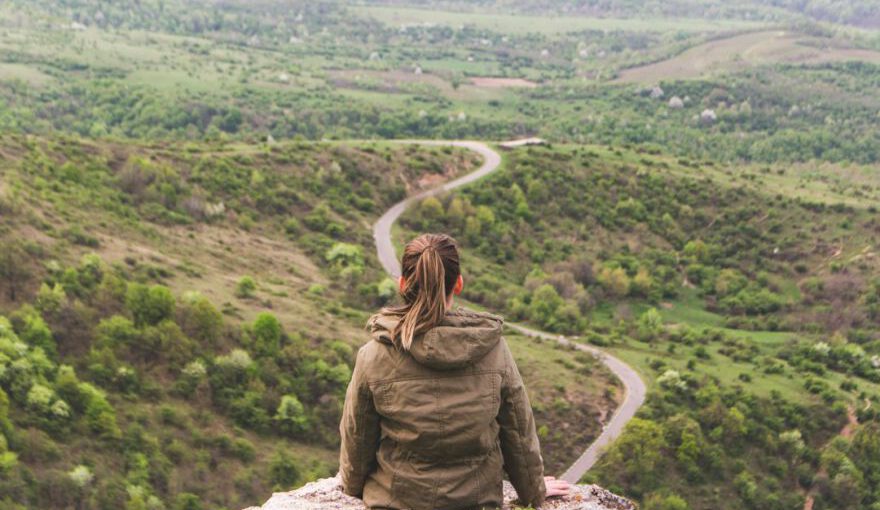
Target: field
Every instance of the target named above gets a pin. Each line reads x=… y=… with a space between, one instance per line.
x=741 y=52
x=517 y=25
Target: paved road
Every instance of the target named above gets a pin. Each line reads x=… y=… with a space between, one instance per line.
x=382 y=228
x=633 y=385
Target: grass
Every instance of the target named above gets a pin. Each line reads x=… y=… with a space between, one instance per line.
x=515 y=24
x=28 y=74
x=740 y=52
x=571 y=393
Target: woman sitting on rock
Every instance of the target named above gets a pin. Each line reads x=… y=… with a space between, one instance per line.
x=436 y=409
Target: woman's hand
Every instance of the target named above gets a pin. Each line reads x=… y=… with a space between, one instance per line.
x=556 y=487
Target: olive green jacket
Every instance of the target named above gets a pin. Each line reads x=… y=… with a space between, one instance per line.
x=434 y=427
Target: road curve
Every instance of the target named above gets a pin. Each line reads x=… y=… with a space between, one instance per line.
x=634 y=387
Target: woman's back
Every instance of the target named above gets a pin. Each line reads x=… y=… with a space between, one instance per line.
x=433 y=426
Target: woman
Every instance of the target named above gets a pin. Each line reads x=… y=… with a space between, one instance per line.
x=436 y=407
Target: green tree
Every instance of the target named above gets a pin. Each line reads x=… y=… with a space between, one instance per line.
x=544 y=305
x=650 y=324
x=283 y=471
x=99 y=414
x=637 y=455
x=199 y=318
x=149 y=305
x=187 y=501
x=615 y=281
x=50 y=299
x=665 y=502
x=291 y=415
x=33 y=329
x=430 y=211
x=642 y=283
x=347 y=259
x=267 y=332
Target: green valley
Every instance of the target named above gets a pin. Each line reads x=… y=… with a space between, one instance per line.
x=188 y=187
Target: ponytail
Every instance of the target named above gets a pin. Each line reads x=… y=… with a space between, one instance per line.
x=430 y=268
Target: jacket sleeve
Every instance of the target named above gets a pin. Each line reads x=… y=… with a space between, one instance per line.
x=519 y=441
x=359 y=431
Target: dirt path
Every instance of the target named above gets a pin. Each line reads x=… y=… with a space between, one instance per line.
x=634 y=387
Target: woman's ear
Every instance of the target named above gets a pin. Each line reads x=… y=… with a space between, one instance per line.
x=401 y=283
x=459 y=286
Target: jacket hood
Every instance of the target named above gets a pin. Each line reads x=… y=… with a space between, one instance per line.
x=463 y=338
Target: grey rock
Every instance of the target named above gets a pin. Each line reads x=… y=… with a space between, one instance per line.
x=326 y=494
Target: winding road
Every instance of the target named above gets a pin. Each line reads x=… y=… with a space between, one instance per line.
x=633 y=385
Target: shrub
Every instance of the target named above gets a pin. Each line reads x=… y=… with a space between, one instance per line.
x=346 y=259
x=245 y=287
x=187 y=501
x=49 y=299
x=199 y=319
x=615 y=281
x=660 y=502
x=243 y=449
x=190 y=377
x=650 y=324
x=266 y=331
x=149 y=305
x=99 y=414
x=81 y=476
x=291 y=415
x=32 y=329
x=283 y=471
x=117 y=331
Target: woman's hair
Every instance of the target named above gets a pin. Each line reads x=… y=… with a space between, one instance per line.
x=430 y=268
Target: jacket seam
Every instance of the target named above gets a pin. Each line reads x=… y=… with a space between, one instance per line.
x=377 y=382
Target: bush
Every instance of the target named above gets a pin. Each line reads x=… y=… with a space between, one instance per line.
x=283 y=471
x=187 y=501
x=266 y=331
x=99 y=414
x=660 y=502
x=245 y=288
x=291 y=415
x=32 y=329
x=149 y=305
x=199 y=319
x=117 y=331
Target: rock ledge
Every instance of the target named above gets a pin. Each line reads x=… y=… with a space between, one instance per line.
x=326 y=494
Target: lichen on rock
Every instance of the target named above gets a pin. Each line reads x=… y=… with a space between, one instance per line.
x=326 y=494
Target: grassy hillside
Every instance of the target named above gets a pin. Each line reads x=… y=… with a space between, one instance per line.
x=750 y=307
x=178 y=322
